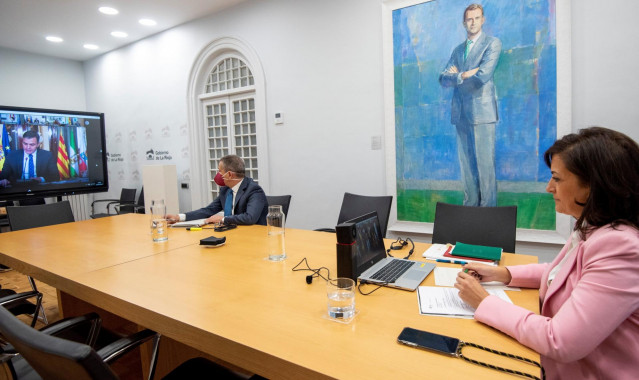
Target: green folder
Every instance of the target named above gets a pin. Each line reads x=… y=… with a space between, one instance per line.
x=477 y=251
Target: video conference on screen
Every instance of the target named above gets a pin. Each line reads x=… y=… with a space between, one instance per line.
x=66 y=141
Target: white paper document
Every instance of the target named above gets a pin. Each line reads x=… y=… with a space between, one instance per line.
x=448 y=276
x=436 y=252
x=190 y=223
x=441 y=301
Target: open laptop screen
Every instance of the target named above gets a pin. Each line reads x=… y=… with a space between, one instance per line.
x=369 y=242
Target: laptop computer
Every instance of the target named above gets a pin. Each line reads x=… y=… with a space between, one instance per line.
x=373 y=265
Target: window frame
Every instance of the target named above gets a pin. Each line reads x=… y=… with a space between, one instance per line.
x=206 y=61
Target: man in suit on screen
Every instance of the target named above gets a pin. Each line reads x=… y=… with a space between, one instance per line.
x=474 y=107
x=29 y=164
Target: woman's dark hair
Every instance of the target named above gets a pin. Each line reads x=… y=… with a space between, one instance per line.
x=608 y=162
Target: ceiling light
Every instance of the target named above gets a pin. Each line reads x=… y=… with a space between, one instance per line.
x=147 y=22
x=54 y=39
x=119 y=34
x=90 y=46
x=108 y=10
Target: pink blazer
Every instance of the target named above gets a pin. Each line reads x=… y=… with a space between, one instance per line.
x=589 y=322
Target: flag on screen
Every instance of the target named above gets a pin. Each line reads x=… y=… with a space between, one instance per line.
x=4 y=145
x=82 y=164
x=63 y=158
x=73 y=156
x=81 y=141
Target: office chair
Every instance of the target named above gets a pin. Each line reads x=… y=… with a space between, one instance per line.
x=60 y=359
x=355 y=205
x=31 y=201
x=18 y=304
x=283 y=200
x=127 y=197
x=24 y=217
x=4 y=220
x=489 y=226
x=137 y=208
x=83 y=329
x=52 y=357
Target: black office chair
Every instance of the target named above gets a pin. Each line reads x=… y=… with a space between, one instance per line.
x=137 y=208
x=24 y=217
x=489 y=226
x=18 y=303
x=283 y=200
x=59 y=359
x=31 y=201
x=52 y=357
x=4 y=220
x=355 y=205
x=127 y=197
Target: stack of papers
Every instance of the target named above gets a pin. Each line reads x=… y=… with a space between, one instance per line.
x=190 y=223
x=448 y=277
x=440 y=301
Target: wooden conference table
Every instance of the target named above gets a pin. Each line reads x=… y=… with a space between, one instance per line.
x=233 y=304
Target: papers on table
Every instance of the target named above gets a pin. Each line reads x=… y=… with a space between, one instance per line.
x=447 y=277
x=441 y=301
x=190 y=223
x=437 y=251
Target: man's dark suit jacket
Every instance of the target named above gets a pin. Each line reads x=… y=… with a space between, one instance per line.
x=251 y=206
x=46 y=166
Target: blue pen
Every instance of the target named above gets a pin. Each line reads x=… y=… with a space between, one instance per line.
x=451 y=261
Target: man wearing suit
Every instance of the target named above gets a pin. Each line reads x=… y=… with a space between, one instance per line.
x=29 y=163
x=242 y=200
x=474 y=108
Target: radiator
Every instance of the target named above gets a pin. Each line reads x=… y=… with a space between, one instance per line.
x=80 y=205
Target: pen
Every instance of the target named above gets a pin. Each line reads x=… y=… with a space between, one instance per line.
x=451 y=261
x=194 y=229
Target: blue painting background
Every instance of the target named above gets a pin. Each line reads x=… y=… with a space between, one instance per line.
x=424 y=35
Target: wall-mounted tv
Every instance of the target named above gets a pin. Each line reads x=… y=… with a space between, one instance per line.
x=50 y=153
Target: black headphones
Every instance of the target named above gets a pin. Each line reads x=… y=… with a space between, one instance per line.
x=399 y=244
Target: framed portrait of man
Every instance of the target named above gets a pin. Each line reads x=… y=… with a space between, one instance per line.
x=475 y=92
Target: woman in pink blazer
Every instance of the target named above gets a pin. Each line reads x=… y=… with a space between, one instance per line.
x=589 y=322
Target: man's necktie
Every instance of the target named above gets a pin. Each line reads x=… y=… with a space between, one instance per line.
x=31 y=167
x=228 y=203
x=468 y=43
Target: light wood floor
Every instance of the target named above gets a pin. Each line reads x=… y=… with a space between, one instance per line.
x=17 y=281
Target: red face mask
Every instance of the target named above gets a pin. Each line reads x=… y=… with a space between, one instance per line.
x=219 y=179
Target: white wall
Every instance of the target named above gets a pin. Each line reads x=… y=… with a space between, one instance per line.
x=31 y=80
x=323 y=66
x=322 y=63
x=604 y=59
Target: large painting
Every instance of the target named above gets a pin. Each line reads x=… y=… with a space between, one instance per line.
x=443 y=91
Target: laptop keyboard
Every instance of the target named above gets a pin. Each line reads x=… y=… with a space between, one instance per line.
x=391 y=271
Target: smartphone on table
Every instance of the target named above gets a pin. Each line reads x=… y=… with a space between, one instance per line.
x=429 y=341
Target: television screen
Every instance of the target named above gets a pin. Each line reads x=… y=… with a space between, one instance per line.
x=47 y=153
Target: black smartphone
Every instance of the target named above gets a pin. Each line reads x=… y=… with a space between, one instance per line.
x=224 y=227
x=429 y=341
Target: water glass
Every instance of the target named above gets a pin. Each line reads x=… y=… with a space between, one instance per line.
x=160 y=231
x=159 y=224
x=341 y=299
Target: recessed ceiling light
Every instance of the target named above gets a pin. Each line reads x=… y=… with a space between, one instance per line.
x=90 y=46
x=54 y=39
x=108 y=10
x=147 y=22
x=119 y=34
